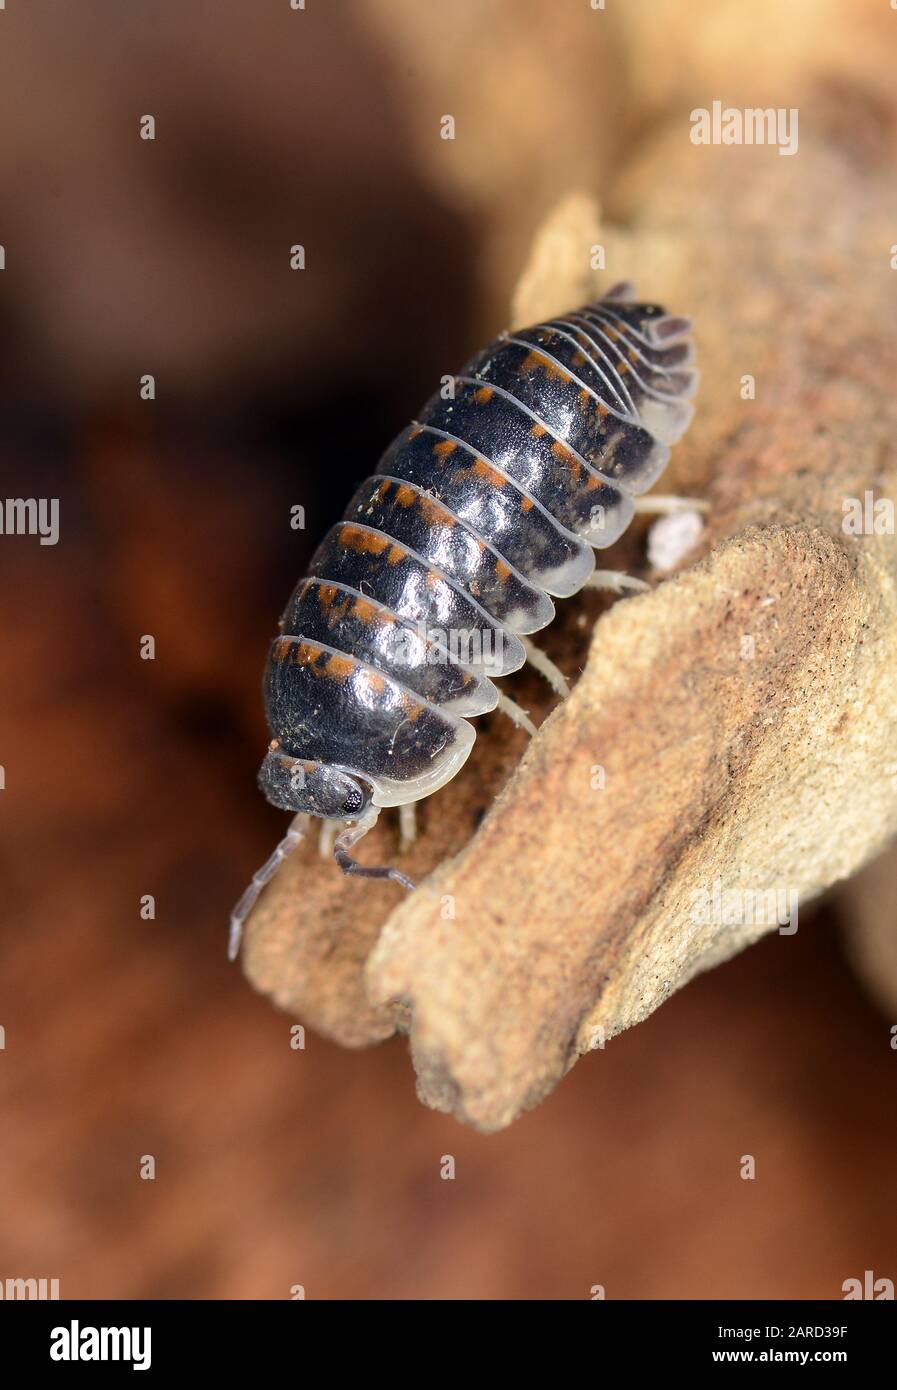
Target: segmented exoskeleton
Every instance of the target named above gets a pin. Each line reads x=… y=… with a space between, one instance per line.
x=491 y=503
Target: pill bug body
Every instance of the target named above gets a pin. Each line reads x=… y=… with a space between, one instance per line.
x=486 y=508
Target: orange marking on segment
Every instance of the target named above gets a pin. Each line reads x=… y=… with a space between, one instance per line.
x=578 y=359
x=633 y=354
x=526 y=504
x=413 y=708
x=433 y=513
x=484 y=395
x=376 y=682
x=433 y=579
x=535 y=360
x=367 y=542
x=282 y=648
x=561 y=451
x=396 y=555
x=304 y=655
x=584 y=396
x=623 y=368
x=444 y=447
x=339 y=667
x=481 y=469
x=603 y=409
x=502 y=570
x=366 y=612
x=405 y=495
x=537 y=431
x=334 y=602
x=418 y=429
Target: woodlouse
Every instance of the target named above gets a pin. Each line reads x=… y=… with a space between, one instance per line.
x=490 y=503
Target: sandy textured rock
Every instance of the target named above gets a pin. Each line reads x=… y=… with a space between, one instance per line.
x=742 y=716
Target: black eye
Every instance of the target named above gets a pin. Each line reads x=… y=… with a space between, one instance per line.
x=352 y=802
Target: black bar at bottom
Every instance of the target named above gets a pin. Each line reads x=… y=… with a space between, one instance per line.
x=68 y=1337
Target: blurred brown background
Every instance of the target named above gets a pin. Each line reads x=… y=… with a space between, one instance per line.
x=123 y=777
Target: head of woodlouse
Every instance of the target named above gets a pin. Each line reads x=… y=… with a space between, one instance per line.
x=318 y=789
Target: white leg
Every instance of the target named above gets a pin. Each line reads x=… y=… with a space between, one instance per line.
x=662 y=505
x=546 y=667
x=298 y=827
x=407 y=825
x=326 y=837
x=516 y=715
x=616 y=580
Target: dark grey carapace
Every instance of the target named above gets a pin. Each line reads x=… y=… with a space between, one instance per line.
x=491 y=503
